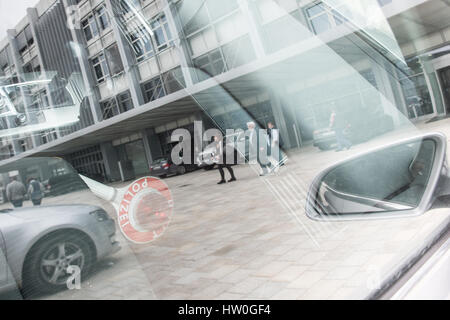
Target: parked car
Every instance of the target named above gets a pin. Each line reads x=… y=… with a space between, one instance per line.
x=68 y=182
x=357 y=132
x=324 y=139
x=164 y=166
x=38 y=244
x=205 y=159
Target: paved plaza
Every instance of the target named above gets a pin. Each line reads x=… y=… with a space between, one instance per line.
x=251 y=239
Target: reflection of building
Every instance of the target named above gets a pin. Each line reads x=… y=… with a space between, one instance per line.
x=262 y=52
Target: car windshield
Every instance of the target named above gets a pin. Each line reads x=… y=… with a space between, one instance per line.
x=273 y=115
x=160 y=160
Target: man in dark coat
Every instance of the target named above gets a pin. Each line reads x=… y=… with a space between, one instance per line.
x=221 y=159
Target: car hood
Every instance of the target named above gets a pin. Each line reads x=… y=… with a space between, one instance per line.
x=207 y=151
x=31 y=213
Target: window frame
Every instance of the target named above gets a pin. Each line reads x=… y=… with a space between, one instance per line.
x=100 y=13
x=137 y=35
x=334 y=18
x=157 y=91
x=91 y=21
x=103 y=64
x=112 y=109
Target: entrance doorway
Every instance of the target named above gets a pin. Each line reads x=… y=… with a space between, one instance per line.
x=444 y=74
x=135 y=153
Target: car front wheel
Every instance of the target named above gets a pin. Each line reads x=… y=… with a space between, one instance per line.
x=181 y=170
x=46 y=268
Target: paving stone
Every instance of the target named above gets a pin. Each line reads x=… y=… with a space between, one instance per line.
x=246 y=286
x=307 y=279
x=271 y=269
x=289 y=274
x=289 y=294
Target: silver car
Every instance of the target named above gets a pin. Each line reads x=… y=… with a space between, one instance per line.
x=39 y=244
x=41 y=247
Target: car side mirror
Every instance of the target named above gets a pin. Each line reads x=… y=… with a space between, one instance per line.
x=392 y=181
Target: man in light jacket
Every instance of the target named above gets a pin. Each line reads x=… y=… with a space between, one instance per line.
x=15 y=192
x=258 y=148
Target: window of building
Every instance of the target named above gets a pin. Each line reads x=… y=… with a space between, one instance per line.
x=153 y=89
x=32 y=69
x=5 y=59
x=141 y=43
x=116 y=105
x=48 y=136
x=29 y=36
x=321 y=17
x=192 y=23
x=89 y=162
x=24 y=145
x=210 y=65
x=415 y=90
x=89 y=27
x=27 y=68
x=174 y=80
x=102 y=18
x=109 y=108
x=25 y=40
x=161 y=32
x=125 y=102
x=128 y=5
x=100 y=67
x=107 y=63
x=113 y=59
x=238 y=52
x=205 y=12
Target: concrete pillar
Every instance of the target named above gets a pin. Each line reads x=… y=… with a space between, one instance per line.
x=280 y=121
x=127 y=57
x=86 y=72
x=110 y=159
x=152 y=145
x=180 y=42
x=147 y=147
x=248 y=10
x=19 y=69
x=33 y=18
x=386 y=90
x=433 y=85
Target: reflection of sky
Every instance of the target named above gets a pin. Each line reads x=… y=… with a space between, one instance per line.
x=11 y=12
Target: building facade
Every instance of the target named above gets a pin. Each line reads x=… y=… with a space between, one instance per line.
x=148 y=67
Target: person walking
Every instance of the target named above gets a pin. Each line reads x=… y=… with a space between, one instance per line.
x=35 y=191
x=339 y=125
x=277 y=157
x=258 y=144
x=221 y=160
x=15 y=192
